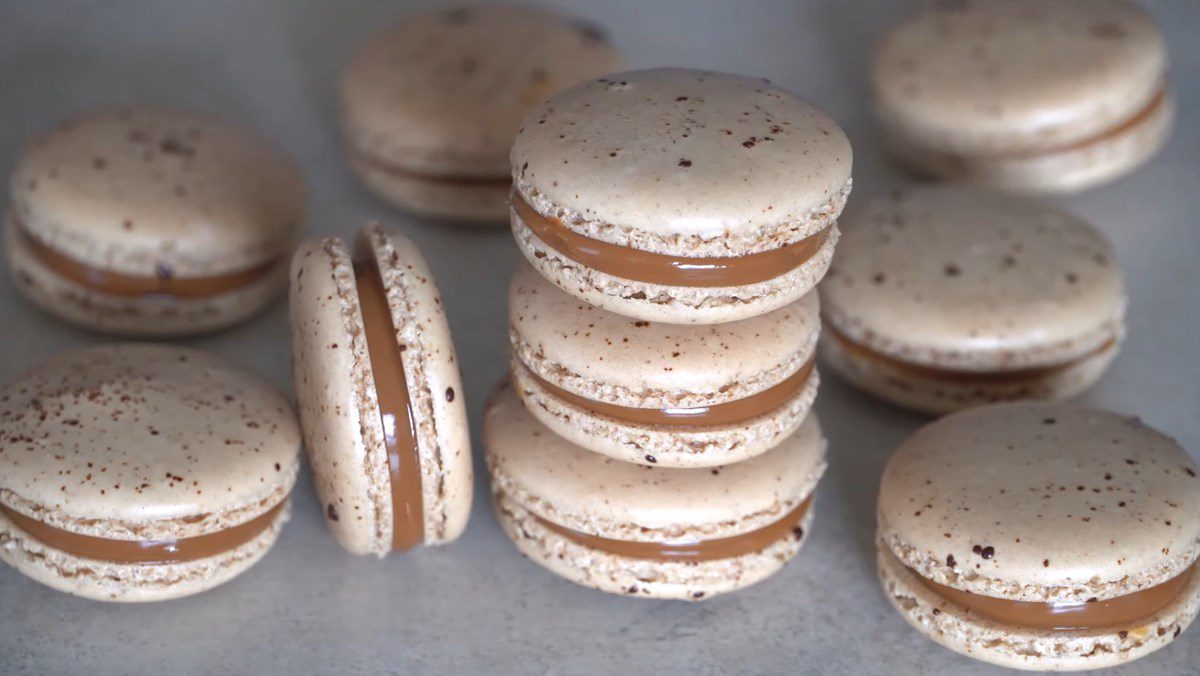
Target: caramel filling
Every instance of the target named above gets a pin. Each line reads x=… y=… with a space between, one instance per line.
x=702 y=550
x=146 y=552
x=731 y=412
x=1152 y=107
x=653 y=268
x=923 y=372
x=461 y=181
x=1115 y=612
x=129 y=286
x=395 y=406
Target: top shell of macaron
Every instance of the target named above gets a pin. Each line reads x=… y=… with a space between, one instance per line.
x=444 y=92
x=604 y=356
x=141 y=441
x=684 y=162
x=1017 y=75
x=960 y=278
x=1042 y=502
x=154 y=191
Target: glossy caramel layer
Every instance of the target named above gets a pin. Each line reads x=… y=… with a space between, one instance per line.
x=395 y=406
x=145 y=552
x=652 y=268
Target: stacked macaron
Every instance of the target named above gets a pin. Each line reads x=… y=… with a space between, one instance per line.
x=656 y=438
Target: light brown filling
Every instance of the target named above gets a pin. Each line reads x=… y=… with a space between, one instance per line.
x=462 y=181
x=145 y=552
x=653 y=268
x=923 y=372
x=395 y=406
x=128 y=286
x=735 y=411
x=703 y=550
x=1156 y=102
x=1115 y=612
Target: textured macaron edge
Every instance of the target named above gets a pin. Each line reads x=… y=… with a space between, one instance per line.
x=434 y=383
x=433 y=196
x=687 y=581
x=1023 y=648
x=105 y=581
x=766 y=237
x=658 y=445
x=932 y=395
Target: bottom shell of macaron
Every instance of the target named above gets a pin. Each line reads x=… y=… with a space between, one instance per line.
x=1034 y=649
x=643 y=577
x=131 y=583
x=477 y=201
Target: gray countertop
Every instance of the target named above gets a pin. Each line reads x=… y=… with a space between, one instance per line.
x=477 y=606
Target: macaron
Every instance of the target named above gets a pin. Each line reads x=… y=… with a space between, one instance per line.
x=1042 y=536
x=680 y=196
x=941 y=298
x=151 y=221
x=649 y=532
x=379 y=393
x=430 y=106
x=142 y=472
x=1024 y=95
x=661 y=394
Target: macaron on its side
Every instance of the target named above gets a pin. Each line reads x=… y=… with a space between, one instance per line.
x=1042 y=536
x=687 y=534
x=661 y=394
x=716 y=214
x=168 y=473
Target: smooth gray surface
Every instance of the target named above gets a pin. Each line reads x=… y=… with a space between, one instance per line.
x=477 y=606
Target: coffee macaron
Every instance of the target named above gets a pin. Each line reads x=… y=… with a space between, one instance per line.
x=1042 y=536
x=680 y=196
x=430 y=106
x=1024 y=95
x=379 y=393
x=945 y=297
x=661 y=394
x=649 y=532
x=142 y=472
x=152 y=221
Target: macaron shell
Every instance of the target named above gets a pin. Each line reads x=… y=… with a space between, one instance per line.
x=444 y=92
x=210 y=199
x=1070 y=503
x=1021 y=648
x=672 y=304
x=995 y=76
x=105 y=581
x=145 y=316
x=960 y=278
x=707 y=178
x=434 y=198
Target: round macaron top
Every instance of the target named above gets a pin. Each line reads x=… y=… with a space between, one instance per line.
x=1041 y=502
x=683 y=154
x=997 y=76
x=599 y=354
x=444 y=92
x=141 y=441
x=598 y=495
x=151 y=191
x=959 y=278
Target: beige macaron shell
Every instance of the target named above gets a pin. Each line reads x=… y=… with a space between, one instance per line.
x=963 y=279
x=996 y=76
x=141 y=190
x=683 y=162
x=1074 y=503
x=482 y=202
x=444 y=92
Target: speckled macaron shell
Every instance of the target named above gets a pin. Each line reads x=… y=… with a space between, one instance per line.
x=535 y=473
x=685 y=163
x=142 y=442
x=335 y=390
x=1039 y=502
x=442 y=93
x=957 y=278
x=605 y=357
x=1025 y=95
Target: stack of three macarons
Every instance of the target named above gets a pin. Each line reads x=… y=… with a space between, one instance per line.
x=654 y=438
